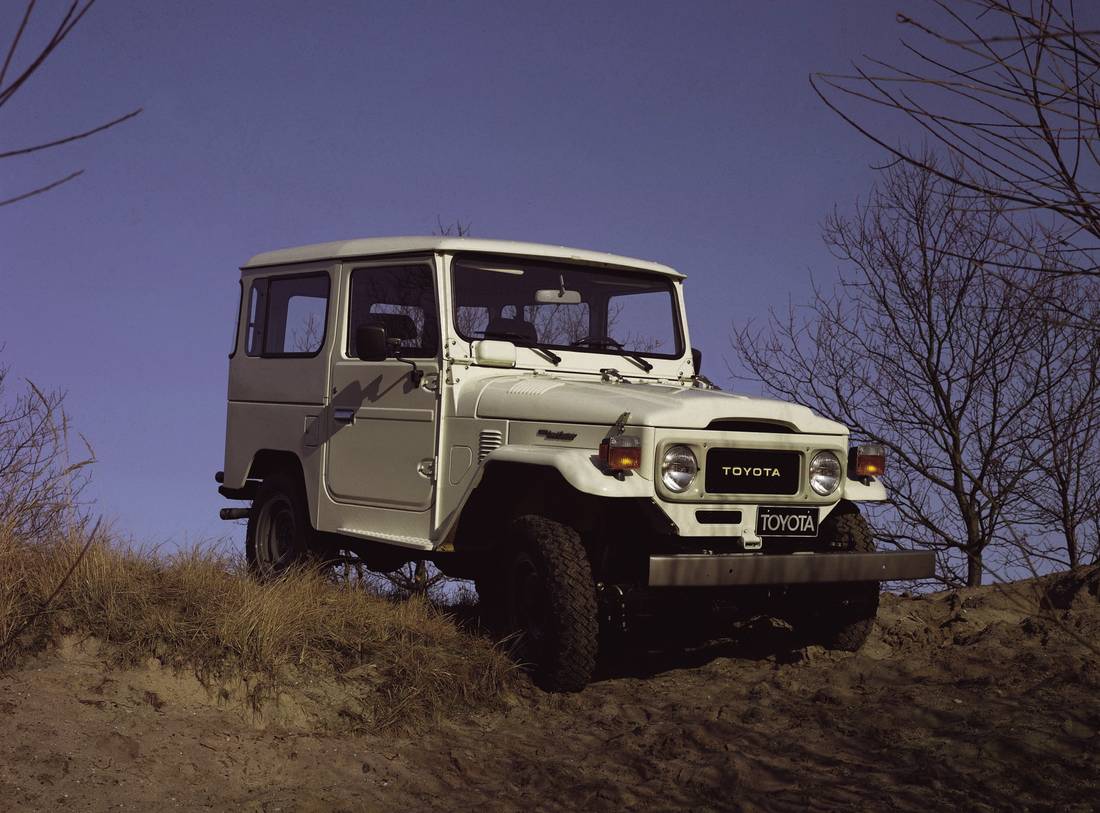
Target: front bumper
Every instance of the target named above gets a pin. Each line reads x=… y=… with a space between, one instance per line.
x=705 y=570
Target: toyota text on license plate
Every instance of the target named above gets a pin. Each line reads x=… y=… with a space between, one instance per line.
x=782 y=520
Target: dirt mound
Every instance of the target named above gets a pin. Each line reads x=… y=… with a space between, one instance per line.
x=982 y=699
x=304 y=650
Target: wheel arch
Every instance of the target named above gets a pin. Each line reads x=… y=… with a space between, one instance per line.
x=509 y=489
x=266 y=462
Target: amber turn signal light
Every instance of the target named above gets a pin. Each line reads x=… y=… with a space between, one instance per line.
x=870 y=460
x=621 y=452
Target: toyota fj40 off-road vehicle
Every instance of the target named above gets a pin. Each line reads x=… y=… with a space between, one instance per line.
x=533 y=418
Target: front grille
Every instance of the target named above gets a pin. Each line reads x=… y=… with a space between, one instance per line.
x=487 y=441
x=753 y=471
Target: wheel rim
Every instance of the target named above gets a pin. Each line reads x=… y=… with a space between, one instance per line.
x=276 y=533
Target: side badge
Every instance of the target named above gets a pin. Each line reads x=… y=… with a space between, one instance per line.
x=553 y=434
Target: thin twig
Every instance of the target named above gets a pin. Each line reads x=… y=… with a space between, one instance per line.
x=42 y=189
x=50 y=144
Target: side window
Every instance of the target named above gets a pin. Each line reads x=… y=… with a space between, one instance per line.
x=294 y=315
x=400 y=298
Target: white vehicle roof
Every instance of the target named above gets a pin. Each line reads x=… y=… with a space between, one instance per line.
x=377 y=246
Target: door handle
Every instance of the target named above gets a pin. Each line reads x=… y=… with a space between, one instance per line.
x=344 y=414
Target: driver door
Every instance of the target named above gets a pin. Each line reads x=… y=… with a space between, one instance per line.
x=382 y=427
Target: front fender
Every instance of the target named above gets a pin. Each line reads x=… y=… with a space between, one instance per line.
x=579 y=468
x=856 y=491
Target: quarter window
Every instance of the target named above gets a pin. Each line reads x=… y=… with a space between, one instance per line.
x=287 y=315
x=254 y=329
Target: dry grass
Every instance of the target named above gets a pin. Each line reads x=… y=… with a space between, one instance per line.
x=199 y=610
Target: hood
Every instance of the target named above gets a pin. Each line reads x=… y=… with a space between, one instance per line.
x=557 y=400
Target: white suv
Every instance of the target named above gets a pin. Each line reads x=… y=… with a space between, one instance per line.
x=533 y=417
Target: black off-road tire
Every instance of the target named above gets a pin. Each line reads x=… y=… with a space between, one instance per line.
x=279 y=534
x=489 y=585
x=841 y=616
x=549 y=603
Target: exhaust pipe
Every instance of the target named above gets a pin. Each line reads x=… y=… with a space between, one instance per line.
x=234 y=513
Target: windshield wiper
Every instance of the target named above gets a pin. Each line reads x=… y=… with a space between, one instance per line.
x=641 y=362
x=607 y=342
x=523 y=341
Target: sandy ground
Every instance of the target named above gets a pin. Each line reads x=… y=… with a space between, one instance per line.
x=969 y=700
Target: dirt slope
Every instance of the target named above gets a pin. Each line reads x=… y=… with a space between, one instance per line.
x=975 y=699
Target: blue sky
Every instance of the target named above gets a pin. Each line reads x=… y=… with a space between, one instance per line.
x=685 y=133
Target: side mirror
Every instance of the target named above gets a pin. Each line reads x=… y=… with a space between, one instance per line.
x=697 y=360
x=495 y=353
x=371 y=344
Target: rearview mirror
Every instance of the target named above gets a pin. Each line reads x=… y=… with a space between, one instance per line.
x=557 y=296
x=371 y=343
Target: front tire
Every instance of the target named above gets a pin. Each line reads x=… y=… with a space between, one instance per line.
x=279 y=533
x=841 y=616
x=549 y=600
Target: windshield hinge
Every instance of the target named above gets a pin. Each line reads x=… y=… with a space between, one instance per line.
x=619 y=426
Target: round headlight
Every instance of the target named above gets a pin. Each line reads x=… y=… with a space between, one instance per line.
x=824 y=473
x=678 y=468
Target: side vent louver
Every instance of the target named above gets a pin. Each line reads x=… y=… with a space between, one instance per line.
x=488 y=440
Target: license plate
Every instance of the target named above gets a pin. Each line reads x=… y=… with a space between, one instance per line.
x=783 y=520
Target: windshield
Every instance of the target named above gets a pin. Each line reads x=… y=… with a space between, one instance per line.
x=566 y=307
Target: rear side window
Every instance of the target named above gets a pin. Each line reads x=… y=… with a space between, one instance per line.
x=400 y=298
x=254 y=327
x=287 y=315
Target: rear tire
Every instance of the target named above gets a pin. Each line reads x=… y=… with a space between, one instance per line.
x=549 y=603
x=279 y=533
x=841 y=616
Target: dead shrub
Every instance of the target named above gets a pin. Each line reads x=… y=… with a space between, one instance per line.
x=40 y=482
x=199 y=610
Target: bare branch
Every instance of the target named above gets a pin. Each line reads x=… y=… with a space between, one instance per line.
x=68 y=139
x=42 y=189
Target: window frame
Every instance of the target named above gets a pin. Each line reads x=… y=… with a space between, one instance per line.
x=429 y=266
x=503 y=259
x=268 y=280
x=240 y=311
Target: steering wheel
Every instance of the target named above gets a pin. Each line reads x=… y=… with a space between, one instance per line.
x=597 y=342
x=507 y=335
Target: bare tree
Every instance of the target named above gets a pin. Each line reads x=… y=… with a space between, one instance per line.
x=17 y=70
x=307 y=338
x=1063 y=454
x=456 y=229
x=417 y=578
x=40 y=483
x=923 y=347
x=1009 y=90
